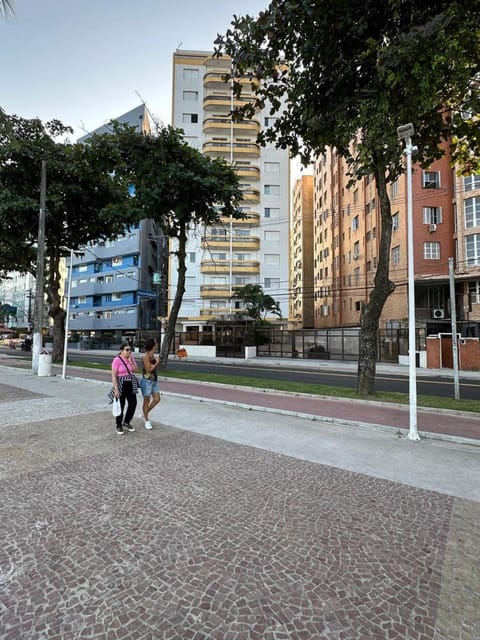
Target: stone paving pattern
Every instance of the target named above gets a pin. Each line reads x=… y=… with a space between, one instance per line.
x=174 y=535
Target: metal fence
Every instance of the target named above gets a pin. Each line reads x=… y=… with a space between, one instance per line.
x=332 y=344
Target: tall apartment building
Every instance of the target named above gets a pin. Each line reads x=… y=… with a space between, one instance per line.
x=233 y=253
x=467 y=242
x=113 y=288
x=301 y=308
x=17 y=290
x=346 y=234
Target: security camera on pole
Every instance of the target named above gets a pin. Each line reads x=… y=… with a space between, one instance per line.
x=405 y=132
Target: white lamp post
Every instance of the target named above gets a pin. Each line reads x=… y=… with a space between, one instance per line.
x=69 y=292
x=405 y=132
x=67 y=316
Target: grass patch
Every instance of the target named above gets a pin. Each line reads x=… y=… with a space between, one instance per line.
x=430 y=402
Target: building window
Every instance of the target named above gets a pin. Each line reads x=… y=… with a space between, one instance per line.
x=272 y=167
x=190 y=96
x=190 y=73
x=432 y=215
x=431 y=180
x=117 y=261
x=190 y=118
x=269 y=121
x=271 y=236
x=272 y=212
x=474 y=292
x=271 y=189
x=395 y=222
x=394 y=189
x=82 y=267
x=472 y=249
x=396 y=255
x=356 y=250
x=472 y=212
x=355 y=223
x=272 y=258
x=470 y=183
x=116 y=297
x=431 y=250
x=271 y=283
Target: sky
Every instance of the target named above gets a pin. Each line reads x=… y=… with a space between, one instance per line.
x=90 y=61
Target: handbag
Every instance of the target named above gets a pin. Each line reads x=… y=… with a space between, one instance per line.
x=133 y=378
x=116 y=407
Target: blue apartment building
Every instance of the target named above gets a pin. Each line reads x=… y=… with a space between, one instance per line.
x=119 y=287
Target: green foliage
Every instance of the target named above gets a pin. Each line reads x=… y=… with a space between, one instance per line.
x=331 y=69
x=176 y=186
x=257 y=303
x=336 y=72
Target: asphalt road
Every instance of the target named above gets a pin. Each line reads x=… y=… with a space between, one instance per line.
x=429 y=386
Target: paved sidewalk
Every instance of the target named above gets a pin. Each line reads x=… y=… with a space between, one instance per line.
x=225 y=523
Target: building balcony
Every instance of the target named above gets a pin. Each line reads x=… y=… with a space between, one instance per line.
x=218 y=79
x=251 y=195
x=215 y=102
x=222 y=125
x=252 y=172
x=216 y=290
x=226 y=149
x=219 y=65
x=223 y=266
x=240 y=243
x=252 y=219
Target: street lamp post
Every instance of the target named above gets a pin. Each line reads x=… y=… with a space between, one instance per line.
x=67 y=317
x=405 y=132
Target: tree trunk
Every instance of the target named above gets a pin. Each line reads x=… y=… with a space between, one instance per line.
x=383 y=287
x=177 y=302
x=55 y=311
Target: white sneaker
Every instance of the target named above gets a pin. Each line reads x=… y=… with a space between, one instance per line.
x=148 y=424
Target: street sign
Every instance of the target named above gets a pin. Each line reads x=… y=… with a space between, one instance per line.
x=146 y=294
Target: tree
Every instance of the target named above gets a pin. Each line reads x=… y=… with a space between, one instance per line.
x=257 y=303
x=6 y=9
x=86 y=201
x=334 y=72
x=179 y=188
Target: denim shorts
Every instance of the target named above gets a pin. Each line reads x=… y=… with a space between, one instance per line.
x=149 y=387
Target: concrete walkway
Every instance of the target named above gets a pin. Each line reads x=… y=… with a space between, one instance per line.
x=229 y=523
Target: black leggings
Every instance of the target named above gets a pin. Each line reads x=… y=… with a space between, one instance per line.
x=131 y=398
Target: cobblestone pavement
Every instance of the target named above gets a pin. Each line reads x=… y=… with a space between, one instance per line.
x=172 y=535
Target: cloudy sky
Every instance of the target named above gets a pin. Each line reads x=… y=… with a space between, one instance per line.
x=87 y=62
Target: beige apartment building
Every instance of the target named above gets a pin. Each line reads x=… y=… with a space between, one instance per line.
x=301 y=308
x=233 y=253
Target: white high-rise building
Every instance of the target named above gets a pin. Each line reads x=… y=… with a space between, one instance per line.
x=227 y=256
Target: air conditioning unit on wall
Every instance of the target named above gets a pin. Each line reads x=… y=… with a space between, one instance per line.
x=438 y=313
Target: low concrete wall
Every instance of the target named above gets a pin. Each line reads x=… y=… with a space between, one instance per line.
x=422 y=359
x=199 y=350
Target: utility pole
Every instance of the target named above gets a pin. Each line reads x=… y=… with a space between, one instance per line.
x=39 y=280
x=453 y=316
